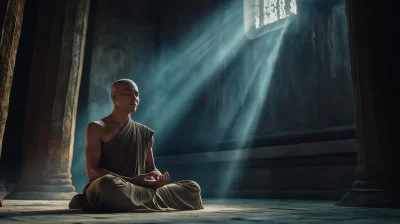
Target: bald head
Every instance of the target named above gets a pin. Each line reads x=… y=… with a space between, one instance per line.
x=125 y=94
x=122 y=83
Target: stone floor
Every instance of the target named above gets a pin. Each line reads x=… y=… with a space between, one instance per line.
x=216 y=211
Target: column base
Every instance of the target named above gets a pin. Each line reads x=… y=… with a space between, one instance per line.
x=370 y=198
x=37 y=195
x=48 y=187
x=44 y=192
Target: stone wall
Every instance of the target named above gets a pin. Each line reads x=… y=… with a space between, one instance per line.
x=317 y=170
x=305 y=87
x=195 y=70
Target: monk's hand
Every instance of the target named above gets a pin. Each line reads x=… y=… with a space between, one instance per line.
x=146 y=180
x=163 y=180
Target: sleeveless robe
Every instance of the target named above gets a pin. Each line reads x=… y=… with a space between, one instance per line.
x=125 y=154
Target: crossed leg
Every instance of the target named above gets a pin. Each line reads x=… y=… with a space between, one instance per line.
x=111 y=193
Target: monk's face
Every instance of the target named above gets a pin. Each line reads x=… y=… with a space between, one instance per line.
x=126 y=96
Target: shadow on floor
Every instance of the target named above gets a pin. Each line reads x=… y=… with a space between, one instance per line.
x=5 y=214
x=45 y=212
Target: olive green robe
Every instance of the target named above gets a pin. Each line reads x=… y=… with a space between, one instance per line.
x=125 y=155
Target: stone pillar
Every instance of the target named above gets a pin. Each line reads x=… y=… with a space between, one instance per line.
x=373 y=41
x=11 y=14
x=52 y=100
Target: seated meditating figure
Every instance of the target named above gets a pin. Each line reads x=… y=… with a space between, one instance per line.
x=120 y=164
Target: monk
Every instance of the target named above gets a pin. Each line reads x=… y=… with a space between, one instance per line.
x=120 y=164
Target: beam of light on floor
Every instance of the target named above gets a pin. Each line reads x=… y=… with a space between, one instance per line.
x=258 y=85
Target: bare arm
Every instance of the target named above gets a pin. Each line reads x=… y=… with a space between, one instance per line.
x=150 y=166
x=94 y=132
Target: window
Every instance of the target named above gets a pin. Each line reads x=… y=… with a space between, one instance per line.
x=264 y=16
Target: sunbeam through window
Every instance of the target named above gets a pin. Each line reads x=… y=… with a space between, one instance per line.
x=264 y=16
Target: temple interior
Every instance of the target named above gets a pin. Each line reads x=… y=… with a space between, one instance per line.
x=282 y=111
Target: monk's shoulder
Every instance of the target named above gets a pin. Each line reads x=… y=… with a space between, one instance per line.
x=96 y=127
x=142 y=127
